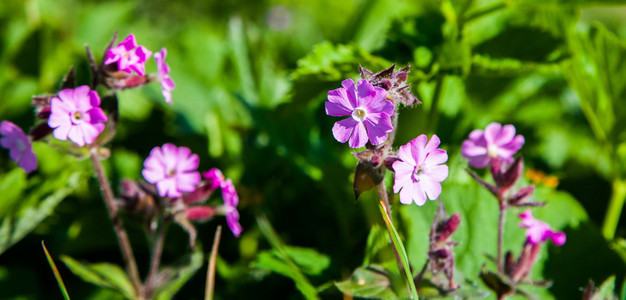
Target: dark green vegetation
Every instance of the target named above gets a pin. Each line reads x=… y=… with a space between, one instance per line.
x=251 y=78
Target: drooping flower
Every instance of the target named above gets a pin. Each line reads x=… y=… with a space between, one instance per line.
x=20 y=147
x=370 y=114
x=229 y=194
x=419 y=173
x=129 y=56
x=538 y=231
x=76 y=114
x=495 y=142
x=172 y=169
x=167 y=84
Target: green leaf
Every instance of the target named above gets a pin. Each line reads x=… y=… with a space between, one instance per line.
x=15 y=226
x=12 y=185
x=239 y=48
x=605 y=291
x=368 y=282
x=179 y=274
x=377 y=239
x=104 y=275
x=55 y=270
x=280 y=261
x=310 y=261
x=484 y=65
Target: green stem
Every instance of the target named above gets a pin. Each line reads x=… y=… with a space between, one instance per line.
x=399 y=246
x=614 y=211
x=433 y=115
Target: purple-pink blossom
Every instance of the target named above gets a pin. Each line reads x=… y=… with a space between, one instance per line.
x=129 y=56
x=495 y=142
x=538 y=231
x=167 y=84
x=229 y=194
x=214 y=178
x=76 y=114
x=420 y=170
x=370 y=114
x=172 y=169
x=19 y=145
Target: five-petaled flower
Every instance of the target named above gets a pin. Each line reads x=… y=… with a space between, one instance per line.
x=19 y=145
x=76 y=114
x=420 y=170
x=370 y=114
x=129 y=56
x=495 y=142
x=167 y=84
x=229 y=194
x=538 y=232
x=172 y=169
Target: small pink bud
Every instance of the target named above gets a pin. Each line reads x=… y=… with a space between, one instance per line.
x=199 y=213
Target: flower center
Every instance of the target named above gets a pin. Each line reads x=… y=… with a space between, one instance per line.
x=77 y=117
x=419 y=171
x=20 y=146
x=492 y=151
x=171 y=173
x=359 y=114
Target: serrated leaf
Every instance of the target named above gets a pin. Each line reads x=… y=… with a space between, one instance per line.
x=104 y=275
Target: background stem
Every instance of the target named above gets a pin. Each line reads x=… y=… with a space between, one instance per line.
x=500 y=233
x=120 y=232
x=614 y=210
x=210 y=276
x=155 y=261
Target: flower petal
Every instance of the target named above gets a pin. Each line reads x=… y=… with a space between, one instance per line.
x=359 y=136
x=342 y=130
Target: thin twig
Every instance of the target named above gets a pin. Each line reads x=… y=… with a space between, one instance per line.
x=157 y=252
x=210 y=273
x=122 y=237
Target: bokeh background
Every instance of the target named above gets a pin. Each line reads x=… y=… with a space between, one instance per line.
x=251 y=79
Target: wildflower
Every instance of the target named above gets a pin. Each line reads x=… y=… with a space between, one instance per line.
x=76 y=114
x=20 y=148
x=229 y=194
x=420 y=172
x=167 y=84
x=214 y=177
x=495 y=142
x=172 y=169
x=538 y=231
x=129 y=56
x=370 y=113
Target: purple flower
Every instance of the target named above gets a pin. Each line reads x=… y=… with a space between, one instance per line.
x=20 y=148
x=496 y=141
x=164 y=75
x=172 y=169
x=420 y=172
x=129 y=56
x=538 y=231
x=214 y=178
x=229 y=194
x=76 y=114
x=366 y=107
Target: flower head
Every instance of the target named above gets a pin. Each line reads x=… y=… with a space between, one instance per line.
x=167 y=84
x=229 y=194
x=538 y=231
x=370 y=114
x=20 y=148
x=172 y=169
x=129 y=56
x=420 y=172
x=495 y=142
x=76 y=114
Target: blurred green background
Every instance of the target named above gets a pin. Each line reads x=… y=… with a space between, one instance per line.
x=251 y=78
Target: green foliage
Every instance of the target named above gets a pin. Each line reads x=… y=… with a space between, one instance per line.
x=177 y=275
x=55 y=270
x=104 y=275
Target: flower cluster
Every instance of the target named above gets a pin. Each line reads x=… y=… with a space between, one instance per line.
x=129 y=56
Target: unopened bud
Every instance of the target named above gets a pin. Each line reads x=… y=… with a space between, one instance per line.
x=40 y=131
x=199 y=213
x=506 y=179
x=448 y=227
x=521 y=195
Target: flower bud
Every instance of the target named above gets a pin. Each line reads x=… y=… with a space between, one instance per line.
x=506 y=179
x=521 y=195
x=199 y=213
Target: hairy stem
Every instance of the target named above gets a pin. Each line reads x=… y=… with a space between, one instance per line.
x=120 y=232
x=614 y=210
x=501 y=215
x=155 y=261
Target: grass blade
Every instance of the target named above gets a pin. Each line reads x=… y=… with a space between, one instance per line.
x=56 y=272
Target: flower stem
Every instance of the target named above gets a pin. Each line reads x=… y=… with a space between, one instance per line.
x=614 y=209
x=210 y=276
x=122 y=237
x=500 y=233
x=157 y=251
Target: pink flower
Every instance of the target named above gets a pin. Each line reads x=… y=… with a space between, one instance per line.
x=420 y=172
x=167 y=84
x=370 y=114
x=496 y=141
x=20 y=148
x=129 y=56
x=214 y=178
x=76 y=114
x=172 y=169
x=538 y=231
x=229 y=194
